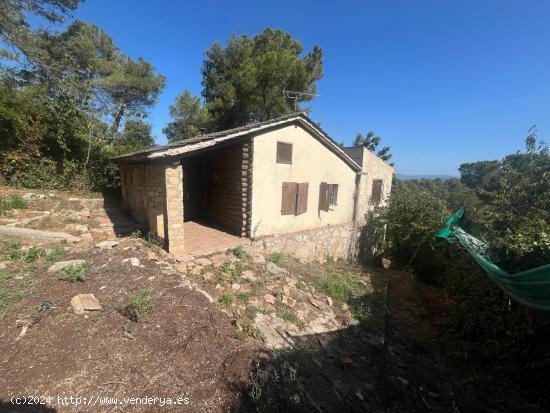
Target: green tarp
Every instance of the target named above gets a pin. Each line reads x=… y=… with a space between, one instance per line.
x=531 y=288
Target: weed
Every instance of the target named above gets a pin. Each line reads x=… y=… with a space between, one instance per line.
x=362 y=312
x=135 y=234
x=140 y=306
x=55 y=312
x=33 y=254
x=239 y=252
x=276 y=258
x=153 y=240
x=12 y=245
x=92 y=223
x=243 y=297
x=339 y=285
x=250 y=330
x=289 y=317
x=10 y=290
x=73 y=273
x=247 y=328
x=126 y=328
x=225 y=300
x=81 y=328
x=251 y=312
x=13 y=202
x=276 y=385
x=225 y=267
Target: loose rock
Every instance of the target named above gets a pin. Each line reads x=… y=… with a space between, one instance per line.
x=106 y=245
x=288 y=301
x=269 y=299
x=85 y=302
x=274 y=269
x=133 y=261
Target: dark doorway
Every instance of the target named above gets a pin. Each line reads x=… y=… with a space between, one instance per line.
x=212 y=188
x=195 y=188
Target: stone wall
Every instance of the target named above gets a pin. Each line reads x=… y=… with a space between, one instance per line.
x=173 y=224
x=153 y=193
x=334 y=241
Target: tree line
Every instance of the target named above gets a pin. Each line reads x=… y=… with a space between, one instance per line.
x=70 y=100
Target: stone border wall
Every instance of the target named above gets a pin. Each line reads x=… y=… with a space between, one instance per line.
x=335 y=241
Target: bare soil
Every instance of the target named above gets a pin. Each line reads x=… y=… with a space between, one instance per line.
x=186 y=348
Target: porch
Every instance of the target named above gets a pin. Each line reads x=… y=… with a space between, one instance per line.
x=202 y=239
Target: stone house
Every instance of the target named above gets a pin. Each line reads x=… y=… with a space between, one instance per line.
x=283 y=184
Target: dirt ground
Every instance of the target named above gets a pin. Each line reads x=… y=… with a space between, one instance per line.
x=186 y=348
x=348 y=338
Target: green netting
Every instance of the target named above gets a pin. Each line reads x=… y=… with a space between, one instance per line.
x=531 y=288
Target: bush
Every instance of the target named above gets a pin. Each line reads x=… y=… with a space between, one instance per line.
x=410 y=220
x=13 y=202
x=73 y=273
x=140 y=306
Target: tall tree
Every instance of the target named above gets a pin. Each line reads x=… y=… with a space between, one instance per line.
x=14 y=27
x=244 y=81
x=136 y=135
x=133 y=87
x=371 y=142
x=189 y=118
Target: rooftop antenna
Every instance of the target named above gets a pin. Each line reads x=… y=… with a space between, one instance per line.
x=296 y=96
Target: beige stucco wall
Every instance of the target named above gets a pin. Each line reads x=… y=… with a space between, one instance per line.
x=312 y=162
x=372 y=168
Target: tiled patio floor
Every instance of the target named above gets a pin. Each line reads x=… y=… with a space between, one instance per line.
x=203 y=240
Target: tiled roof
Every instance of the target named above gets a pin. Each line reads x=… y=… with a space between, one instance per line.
x=212 y=139
x=355 y=153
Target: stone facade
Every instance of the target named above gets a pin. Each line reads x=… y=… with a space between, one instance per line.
x=334 y=241
x=153 y=193
x=174 y=209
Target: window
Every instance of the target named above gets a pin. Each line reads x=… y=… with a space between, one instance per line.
x=294 y=198
x=376 y=195
x=328 y=195
x=284 y=152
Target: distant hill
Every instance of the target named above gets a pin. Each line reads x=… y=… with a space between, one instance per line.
x=409 y=177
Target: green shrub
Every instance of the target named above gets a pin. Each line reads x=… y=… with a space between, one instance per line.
x=289 y=317
x=225 y=300
x=140 y=306
x=276 y=258
x=73 y=273
x=13 y=202
x=239 y=252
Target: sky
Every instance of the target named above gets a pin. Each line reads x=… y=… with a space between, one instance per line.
x=442 y=82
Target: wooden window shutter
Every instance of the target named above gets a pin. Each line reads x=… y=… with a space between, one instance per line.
x=323 y=196
x=301 y=204
x=288 y=198
x=284 y=152
x=376 y=195
x=333 y=194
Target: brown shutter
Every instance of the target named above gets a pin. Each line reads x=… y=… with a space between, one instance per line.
x=323 y=196
x=288 y=198
x=376 y=195
x=301 y=206
x=333 y=194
